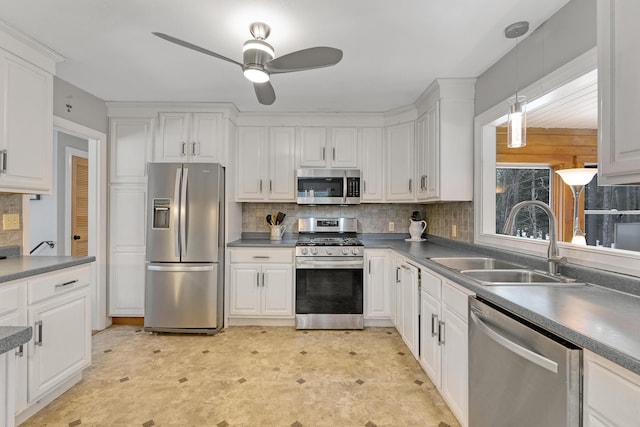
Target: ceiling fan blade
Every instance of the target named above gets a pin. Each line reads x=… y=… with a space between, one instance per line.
x=265 y=93
x=306 y=59
x=194 y=47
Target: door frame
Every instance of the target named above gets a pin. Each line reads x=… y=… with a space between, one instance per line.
x=70 y=152
x=97 y=156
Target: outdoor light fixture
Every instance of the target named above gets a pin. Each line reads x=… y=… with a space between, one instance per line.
x=517 y=119
x=576 y=179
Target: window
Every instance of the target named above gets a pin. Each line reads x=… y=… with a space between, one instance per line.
x=516 y=184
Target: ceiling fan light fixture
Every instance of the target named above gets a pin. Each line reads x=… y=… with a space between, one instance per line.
x=259 y=45
x=256 y=74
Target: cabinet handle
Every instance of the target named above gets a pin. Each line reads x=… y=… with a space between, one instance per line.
x=261 y=186
x=193 y=148
x=20 y=351
x=323 y=153
x=4 y=162
x=397 y=274
x=38 y=328
x=62 y=285
x=270 y=187
x=434 y=320
x=369 y=266
x=258 y=279
x=410 y=185
x=184 y=153
x=364 y=186
x=334 y=154
x=261 y=257
x=263 y=280
x=440 y=332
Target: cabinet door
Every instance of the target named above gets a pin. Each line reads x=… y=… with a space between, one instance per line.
x=400 y=162
x=282 y=173
x=277 y=289
x=251 y=158
x=130 y=143
x=244 y=289
x=618 y=69
x=205 y=138
x=421 y=156
x=376 y=287
x=410 y=308
x=371 y=162
x=432 y=154
x=13 y=313
x=397 y=292
x=26 y=122
x=126 y=284
x=455 y=375
x=430 y=349
x=62 y=341
x=312 y=147
x=344 y=148
x=172 y=143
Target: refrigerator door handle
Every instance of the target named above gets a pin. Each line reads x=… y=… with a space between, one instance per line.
x=176 y=212
x=178 y=268
x=183 y=211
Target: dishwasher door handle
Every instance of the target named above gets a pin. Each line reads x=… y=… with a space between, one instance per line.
x=531 y=356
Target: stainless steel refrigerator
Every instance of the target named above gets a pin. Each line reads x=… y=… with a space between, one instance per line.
x=184 y=278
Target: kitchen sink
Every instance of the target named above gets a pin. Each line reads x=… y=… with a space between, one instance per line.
x=516 y=277
x=474 y=263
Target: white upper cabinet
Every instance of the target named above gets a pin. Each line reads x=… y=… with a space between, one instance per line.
x=265 y=164
x=130 y=141
x=618 y=88
x=26 y=126
x=371 y=152
x=400 y=162
x=444 y=141
x=320 y=147
x=189 y=137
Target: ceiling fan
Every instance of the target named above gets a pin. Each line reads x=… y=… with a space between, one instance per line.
x=259 y=62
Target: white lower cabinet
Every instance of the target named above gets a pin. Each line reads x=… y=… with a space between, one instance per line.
x=57 y=306
x=407 y=303
x=443 y=340
x=611 y=393
x=377 y=290
x=261 y=283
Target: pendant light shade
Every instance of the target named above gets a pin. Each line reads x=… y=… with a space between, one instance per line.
x=517 y=122
x=576 y=179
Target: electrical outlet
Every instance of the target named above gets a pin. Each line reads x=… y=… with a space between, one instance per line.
x=10 y=222
x=392 y=226
x=454 y=230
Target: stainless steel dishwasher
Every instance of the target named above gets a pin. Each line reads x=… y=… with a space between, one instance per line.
x=519 y=374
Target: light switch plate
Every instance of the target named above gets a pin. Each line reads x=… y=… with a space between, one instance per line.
x=454 y=230
x=392 y=226
x=10 y=222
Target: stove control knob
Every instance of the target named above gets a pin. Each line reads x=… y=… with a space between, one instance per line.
x=314 y=251
x=329 y=251
x=355 y=251
x=303 y=251
x=345 y=251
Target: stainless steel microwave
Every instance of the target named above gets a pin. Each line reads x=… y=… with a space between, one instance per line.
x=328 y=186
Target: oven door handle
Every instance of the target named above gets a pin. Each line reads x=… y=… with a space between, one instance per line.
x=330 y=264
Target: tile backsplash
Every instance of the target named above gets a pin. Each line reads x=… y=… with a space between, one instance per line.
x=372 y=218
x=11 y=204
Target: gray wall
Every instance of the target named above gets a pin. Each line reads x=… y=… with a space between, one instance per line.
x=86 y=109
x=569 y=33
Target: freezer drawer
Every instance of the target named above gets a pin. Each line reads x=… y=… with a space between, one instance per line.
x=182 y=297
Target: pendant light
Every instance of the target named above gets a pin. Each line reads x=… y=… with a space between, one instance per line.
x=517 y=118
x=576 y=179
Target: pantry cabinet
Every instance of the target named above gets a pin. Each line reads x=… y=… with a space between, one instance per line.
x=618 y=69
x=611 y=393
x=371 y=152
x=190 y=137
x=130 y=146
x=400 y=157
x=261 y=283
x=265 y=164
x=443 y=339
x=377 y=289
x=26 y=123
x=320 y=147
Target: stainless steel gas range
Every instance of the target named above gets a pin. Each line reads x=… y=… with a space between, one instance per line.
x=329 y=274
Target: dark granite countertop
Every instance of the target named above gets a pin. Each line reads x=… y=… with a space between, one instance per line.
x=19 y=267
x=13 y=336
x=598 y=316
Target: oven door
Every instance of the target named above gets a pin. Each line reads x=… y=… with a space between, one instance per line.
x=329 y=293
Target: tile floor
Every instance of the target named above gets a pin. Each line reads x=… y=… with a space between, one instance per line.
x=250 y=377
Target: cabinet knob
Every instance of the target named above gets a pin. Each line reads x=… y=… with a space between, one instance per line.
x=76 y=237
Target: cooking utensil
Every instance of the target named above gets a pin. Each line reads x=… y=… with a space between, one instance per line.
x=279 y=218
x=269 y=221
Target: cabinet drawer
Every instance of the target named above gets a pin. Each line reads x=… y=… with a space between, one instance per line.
x=262 y=256
x=430 y=284
x=48 y=285
x=456 y=298
x=9 y=299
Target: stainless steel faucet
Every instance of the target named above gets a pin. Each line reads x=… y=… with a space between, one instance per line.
x=553 y=255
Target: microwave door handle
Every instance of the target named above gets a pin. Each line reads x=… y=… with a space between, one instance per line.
x=344 y=188
x=177 y=205
x=183 y=211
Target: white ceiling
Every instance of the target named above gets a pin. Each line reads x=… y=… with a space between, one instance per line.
x=392 y=49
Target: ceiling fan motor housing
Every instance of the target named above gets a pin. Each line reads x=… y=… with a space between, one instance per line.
x=257 y=52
